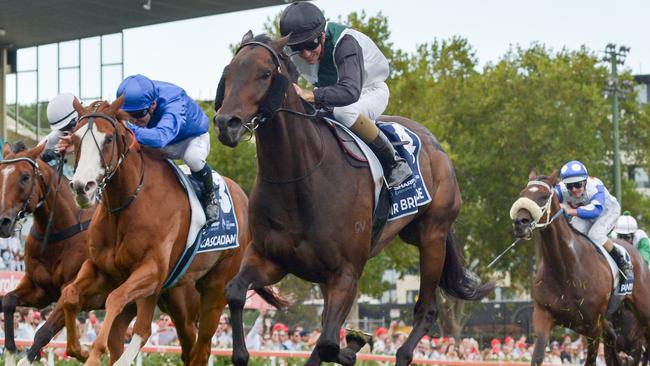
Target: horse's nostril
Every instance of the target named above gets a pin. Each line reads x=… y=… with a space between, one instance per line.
x=5 y=222
x=90 y=186
x=233 y=122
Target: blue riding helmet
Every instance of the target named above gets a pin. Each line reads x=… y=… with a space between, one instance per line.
x=573 y=171
x=139 y=92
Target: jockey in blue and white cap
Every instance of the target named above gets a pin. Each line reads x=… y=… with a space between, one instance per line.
x=593 y=209
x=164 y=116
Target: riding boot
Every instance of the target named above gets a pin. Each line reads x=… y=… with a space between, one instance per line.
x=396 y=169
x=209 y=198
x=623 y=265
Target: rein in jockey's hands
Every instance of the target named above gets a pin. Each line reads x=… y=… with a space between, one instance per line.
x=305 y=94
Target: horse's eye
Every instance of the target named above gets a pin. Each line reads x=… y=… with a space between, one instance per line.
x=24 y=178
x=266 y=75
x=109 y=139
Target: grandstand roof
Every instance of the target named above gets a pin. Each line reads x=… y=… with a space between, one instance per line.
x=35 y=22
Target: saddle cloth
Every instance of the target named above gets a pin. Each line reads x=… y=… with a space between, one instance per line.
x=625 y=288
x=406 y=198
x=220 y=235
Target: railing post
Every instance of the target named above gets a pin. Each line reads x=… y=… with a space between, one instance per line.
x=50 y=356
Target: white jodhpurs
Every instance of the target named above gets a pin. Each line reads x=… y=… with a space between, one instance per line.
x=372 y=103
x=598 y=229
x=193 y=151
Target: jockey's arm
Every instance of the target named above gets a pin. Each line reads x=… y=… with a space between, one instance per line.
x=347 y=90
x=595 y=207
x=162 y=134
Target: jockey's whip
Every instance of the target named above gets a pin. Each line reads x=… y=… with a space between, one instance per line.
x=504 y=252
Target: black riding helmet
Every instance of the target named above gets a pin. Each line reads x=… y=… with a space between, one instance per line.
x=302 y=21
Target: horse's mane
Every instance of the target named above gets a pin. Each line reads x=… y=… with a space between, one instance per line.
x=291 y=67
x=98 y=106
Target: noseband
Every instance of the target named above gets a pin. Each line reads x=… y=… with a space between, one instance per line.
x=109 y=171
x=536 y=211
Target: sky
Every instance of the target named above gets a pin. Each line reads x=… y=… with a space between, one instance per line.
x=192 y=53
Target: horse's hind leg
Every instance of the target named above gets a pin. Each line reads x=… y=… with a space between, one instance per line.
x=182 y=305
x=592 y=350
x=611 y=357
x=256 y=272
x=432 y=259
x=213 y=301
x=542 y=324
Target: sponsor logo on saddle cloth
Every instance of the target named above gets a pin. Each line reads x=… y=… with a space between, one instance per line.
x=408 y=196
x=220 y=235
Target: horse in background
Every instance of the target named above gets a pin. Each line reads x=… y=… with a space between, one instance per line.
x=312 y=212
x=573 y=283
x=29 y=185
x=139 y=232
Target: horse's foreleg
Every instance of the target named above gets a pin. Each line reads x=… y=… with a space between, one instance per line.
x=611 y=357
x=141 y=329
x=26 y=293
x=592 y=350
x=142 y=283
x=88 y=283
x=542 y=324
x=432 y=260
x=118 y=333
x=341 y=292
x=256 y=272
x=182 y=305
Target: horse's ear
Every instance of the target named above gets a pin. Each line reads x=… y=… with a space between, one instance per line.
x=115 y=106
x=247 y=37
x=553 y=177
x=18 y=146
x=280 y=44
x=532 y=175
x=36 y=152
x=6 y=150
x=76 y=104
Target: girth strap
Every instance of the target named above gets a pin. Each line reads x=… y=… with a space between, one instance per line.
x=63 y=234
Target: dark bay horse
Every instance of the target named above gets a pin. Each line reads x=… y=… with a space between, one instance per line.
x=573 y=284
x=312 y=212
x=28 y=185
x=138 y=233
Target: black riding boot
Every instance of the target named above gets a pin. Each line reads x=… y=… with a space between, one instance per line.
x=209 y=198
x=396 y=169
x=623 y=265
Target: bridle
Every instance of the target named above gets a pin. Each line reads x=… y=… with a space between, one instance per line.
x=38 y=175
x=110 y=172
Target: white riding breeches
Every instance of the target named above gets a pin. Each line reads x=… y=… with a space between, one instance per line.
x=598 y=229
x=372 y=103
x=193 y=151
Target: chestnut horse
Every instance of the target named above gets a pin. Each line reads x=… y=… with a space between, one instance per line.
x=139 y=232
x=312 y=212
x=573 y=283
x=28 y=185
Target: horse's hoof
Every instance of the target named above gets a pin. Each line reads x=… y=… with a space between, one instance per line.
x=24 y=362
x=347 y=357
x=327 y=351
x=357 y=338
x=240 y=358
x=10 y=358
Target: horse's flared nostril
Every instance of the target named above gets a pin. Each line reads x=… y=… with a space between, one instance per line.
x=5 y=222
x=90 y=186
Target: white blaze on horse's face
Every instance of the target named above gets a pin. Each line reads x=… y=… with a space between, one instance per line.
x=90 y=167
x=6 y=172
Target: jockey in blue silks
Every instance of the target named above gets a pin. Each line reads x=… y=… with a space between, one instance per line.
x=593 y=210
x=163 y=116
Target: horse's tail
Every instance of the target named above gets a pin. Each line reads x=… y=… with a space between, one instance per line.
x=273 y=297
x=458 y=281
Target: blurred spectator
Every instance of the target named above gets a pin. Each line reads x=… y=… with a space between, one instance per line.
x=293 y=343
x=255 y=338
x=381 y=334
x=423 y=349
x=166 y=335
x=223 y=336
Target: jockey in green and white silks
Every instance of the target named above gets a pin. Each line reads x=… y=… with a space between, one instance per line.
x=627 y=229
x=349 y=73
x=593 y=210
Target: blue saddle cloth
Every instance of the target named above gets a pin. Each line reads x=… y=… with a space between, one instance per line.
x=219 y=235
x=408 y=196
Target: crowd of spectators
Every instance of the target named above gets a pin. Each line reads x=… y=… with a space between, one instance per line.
x=11 y=254
x=265 y=334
